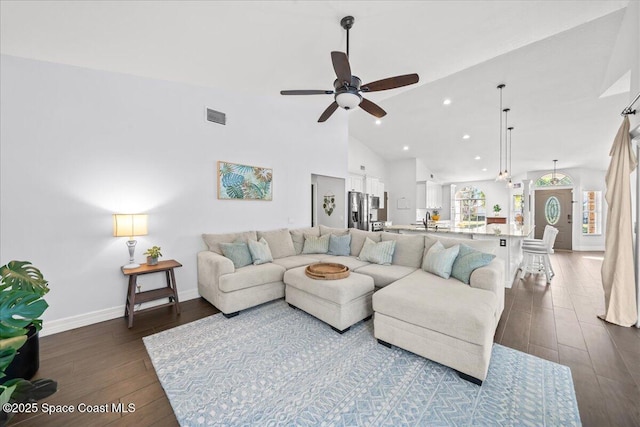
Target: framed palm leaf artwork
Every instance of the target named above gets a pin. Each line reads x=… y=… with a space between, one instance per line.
x=244 y=182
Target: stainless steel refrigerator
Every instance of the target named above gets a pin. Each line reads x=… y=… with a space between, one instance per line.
x=361 y=208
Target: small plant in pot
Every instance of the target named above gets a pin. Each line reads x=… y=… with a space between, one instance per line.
x=153 y=254
x=435 y=215
x=496 y=209
x=22 y=287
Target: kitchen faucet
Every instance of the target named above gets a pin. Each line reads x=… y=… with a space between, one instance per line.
x=426 y=220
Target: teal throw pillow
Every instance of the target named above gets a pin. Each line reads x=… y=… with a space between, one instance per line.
x=467 y=261
x=378 y=253
x=339 y=245
x=238 y=252
x=260 y=251
x=315 y=245
x=439 y=260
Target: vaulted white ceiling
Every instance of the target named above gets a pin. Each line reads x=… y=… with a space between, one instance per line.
x=553 y=56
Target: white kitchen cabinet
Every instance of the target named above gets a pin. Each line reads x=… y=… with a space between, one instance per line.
x=381 y=194
x=356 y=183
x=433 y=195
x=372 y=186
x=421 y=195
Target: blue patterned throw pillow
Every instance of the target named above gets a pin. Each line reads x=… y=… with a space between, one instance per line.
x=378 y=253
x=339 y=245
x=238 y=252
x=439 y=260
x=260 y=251
x=467 y=261
x=315 y=245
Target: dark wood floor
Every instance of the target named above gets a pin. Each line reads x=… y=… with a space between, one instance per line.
x=107 y=362
x=559 y=322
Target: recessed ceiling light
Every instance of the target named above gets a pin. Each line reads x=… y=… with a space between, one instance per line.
x=466 y=136
x=447 y=101
x=405 y=148
x=484 y=169
x=477 y=157
x=378 y=121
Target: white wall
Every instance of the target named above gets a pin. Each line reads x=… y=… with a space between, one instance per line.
x=78 y=145
x=329 y=186
x=402 y=191
x=423 y=173
x=361 y=155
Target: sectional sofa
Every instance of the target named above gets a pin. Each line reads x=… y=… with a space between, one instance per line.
x=444 y=320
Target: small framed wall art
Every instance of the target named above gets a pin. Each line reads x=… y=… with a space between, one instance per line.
x=244 y=182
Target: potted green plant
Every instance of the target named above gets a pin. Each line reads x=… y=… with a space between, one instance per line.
x=435 y=215
x=496 y=209
x=153 y=254
x=22 y=287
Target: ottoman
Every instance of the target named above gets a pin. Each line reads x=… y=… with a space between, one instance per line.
x=340 y=303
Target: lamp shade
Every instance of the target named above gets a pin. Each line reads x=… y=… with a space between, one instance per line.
x=348 y=100
x=129 y=225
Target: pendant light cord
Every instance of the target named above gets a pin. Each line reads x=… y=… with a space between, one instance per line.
x=506 y=148
x=500 y=86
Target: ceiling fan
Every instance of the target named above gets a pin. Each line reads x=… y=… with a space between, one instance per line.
x=347 y=87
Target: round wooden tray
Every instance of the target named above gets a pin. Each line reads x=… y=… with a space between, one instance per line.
x=327 y=271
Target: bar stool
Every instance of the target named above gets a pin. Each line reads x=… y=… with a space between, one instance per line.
x=540 y=242
x=535 y=256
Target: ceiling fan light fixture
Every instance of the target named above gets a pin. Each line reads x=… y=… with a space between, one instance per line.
x=347 y=87
x=348 y=100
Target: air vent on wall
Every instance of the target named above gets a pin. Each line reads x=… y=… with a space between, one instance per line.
x=216 y=116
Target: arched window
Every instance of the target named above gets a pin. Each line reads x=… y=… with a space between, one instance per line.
x=469 y=208
x=547 y=180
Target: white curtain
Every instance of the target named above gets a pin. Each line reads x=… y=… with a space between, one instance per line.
x=618 y=275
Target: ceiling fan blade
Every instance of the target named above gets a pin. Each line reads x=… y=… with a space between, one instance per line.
x=328 y=112
x=306 y=92
x=372 y=108
x=341 y=66
x=390 y=83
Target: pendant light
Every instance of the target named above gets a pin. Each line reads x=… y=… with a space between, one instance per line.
x=554 y=179
x=509 y=182
x=505 y=174
x=500 y=176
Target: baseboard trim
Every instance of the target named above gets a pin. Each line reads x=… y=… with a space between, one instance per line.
x=598 y=248
x=85 y=319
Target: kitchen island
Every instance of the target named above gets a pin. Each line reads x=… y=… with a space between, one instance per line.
x=509 y=238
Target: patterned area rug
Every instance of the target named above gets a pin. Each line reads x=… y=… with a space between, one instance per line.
x=275 y=365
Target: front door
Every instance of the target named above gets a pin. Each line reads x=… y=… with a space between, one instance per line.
x=554 y=207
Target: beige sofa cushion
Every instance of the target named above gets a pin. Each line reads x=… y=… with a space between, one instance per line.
x=330 y=230
x=297 y=235
x=409 y=249
x=447 y=306
x=384 y=275
x=279 y=241
x=212 y=240
x=350 y=261
x=296 y=261
x=340 y=292
x=358 y=237
x=486 y=246
x=250 y=276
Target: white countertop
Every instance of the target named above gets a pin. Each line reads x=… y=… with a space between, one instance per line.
x=486 y=230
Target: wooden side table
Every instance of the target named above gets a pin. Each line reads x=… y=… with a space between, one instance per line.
x=496 y=220
x=171 y=291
